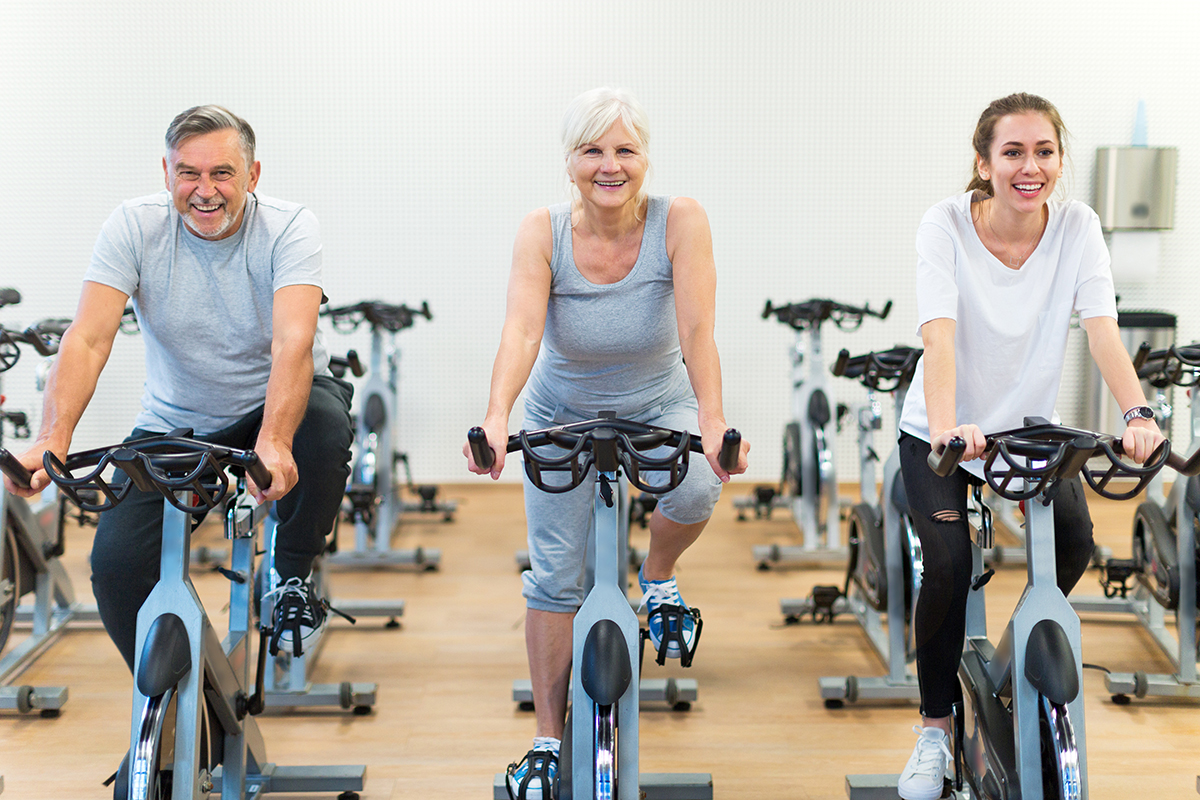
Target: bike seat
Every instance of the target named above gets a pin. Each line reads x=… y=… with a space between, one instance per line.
x=166 y=656
x=605 y=671
x=1050 y=662
x=375 y=414
x=818 y=409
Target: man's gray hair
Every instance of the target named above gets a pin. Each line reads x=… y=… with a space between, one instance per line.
x=206 y=119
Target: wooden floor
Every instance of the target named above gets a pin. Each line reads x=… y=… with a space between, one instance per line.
x=444 y=722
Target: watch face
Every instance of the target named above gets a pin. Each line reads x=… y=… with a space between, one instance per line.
x=1141 y=412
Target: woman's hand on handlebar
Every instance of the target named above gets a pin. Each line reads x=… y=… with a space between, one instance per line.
x=497 y=438
x=712 y=435
x=277 y=458
x=971 y=434
x=1141 y=438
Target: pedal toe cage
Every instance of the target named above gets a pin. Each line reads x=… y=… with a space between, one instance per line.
x=539 y=770
x=672 y=614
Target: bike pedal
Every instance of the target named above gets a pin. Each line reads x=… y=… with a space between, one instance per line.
x=979 y=581
x=1115 y=575
x=823 y=600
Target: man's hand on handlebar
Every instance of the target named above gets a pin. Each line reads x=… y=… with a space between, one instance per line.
x=31 y=459
x=1141 y=438
x=971 y=434
x=497 y=437
x=277 y=458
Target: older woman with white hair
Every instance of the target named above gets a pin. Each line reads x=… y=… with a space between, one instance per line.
x=611 y=306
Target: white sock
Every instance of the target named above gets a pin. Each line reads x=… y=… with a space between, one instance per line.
x=546 y=743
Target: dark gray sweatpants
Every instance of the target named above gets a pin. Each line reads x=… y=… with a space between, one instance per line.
x=128 y=544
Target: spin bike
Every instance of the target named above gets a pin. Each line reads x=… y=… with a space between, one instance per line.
x=30 y=549
x=1019 y=732
x=883 y=573
x=1165 y=556
x=601 y=741
x=190 y=689
x=808 y=485
x=375 y=506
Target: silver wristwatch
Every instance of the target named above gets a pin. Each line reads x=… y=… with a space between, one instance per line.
x=1139 y=412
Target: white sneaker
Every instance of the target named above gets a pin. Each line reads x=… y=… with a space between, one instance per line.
x=299 y=617
x=924 y=776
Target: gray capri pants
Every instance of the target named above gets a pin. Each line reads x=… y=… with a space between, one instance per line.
x=559 y=523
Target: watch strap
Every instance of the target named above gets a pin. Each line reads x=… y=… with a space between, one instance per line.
x=1139 y=412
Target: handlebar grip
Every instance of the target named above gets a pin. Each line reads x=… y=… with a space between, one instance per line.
x=943 y=463
x=887 y=309
x=258 y=471
x=357 y=368
x=731 y=446
x=14 y=469
x=1139 y=358
x=839 y=366
x=481 y=451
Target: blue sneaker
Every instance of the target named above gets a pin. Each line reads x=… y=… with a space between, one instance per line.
x=535 y=777
x=666 y=611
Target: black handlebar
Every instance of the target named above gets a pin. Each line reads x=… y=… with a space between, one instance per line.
x=1177 y=365
x=943 y=463
x=14 y=469
x=167 y=464
x=884 y=371
x=43 y=337
x=339 y=364
x=605 y=442
x=1044 y=454
x=811 y=313
x=731 y=448
x=481 y=452
x=377 y=313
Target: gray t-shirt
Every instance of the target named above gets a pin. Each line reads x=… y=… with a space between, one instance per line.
x=204 y=307
x=610 y=347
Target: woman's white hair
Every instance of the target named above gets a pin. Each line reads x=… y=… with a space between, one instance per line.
x=591 y=114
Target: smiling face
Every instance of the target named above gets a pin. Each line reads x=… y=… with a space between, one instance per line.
x=610 y=171
x=1024 y=161
x=208 y=179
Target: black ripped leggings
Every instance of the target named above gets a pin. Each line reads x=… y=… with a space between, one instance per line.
x=939 y=511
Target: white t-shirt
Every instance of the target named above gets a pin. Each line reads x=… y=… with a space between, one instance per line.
x=1011 y=325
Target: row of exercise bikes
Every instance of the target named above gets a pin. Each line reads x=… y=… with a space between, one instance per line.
x=193 y=731
x=1019 y=727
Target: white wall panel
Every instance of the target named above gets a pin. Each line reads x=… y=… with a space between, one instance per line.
x=814 y=133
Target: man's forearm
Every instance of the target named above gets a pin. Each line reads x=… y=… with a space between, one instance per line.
x=287 y=393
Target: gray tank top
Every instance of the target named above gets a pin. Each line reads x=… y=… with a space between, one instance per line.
x=609 y=346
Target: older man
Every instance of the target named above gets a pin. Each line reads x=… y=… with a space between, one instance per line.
x=226 y=285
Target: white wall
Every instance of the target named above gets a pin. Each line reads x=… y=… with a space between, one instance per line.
x=814 y=133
